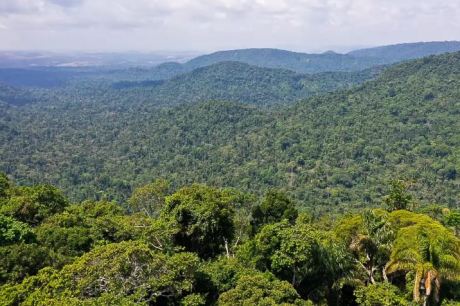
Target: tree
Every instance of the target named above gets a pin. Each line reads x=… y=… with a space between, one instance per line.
x=298 y=256
x=18 y=261
x=369 y=237
x=275 y=207
x=398 y=198
x=221 y=275
x=33 y=204
x=261 y=289
x=149 y=199
x=13 y=231
x=301 y=255
x=426 y=249
x=126 y=270
x=379 y=294
x=82 y=226
x=204 y=219
x=452 y=219
x=4 y=185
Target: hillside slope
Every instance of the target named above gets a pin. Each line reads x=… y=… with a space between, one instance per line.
x=327 y=150
x=239 y=82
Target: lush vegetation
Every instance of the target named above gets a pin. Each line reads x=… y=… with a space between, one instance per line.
x=331 y=152
x=239 y=82
x=15 y=96
x=200 y=245
x=219 y=187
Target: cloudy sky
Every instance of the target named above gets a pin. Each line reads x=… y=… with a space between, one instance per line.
x=206 y=25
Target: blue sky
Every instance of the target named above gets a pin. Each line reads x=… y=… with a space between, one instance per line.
x=207 y=25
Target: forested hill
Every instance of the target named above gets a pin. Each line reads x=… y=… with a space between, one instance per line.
x=239 y=82
x=314 y=63
x=325 y=151
x=274 y=58
x=399 y=52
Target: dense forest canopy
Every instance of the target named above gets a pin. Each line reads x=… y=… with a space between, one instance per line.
x=239 y=82
x=234 y=179
x=200 y=245
x=331 y=151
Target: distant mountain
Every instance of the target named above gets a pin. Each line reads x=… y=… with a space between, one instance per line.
x=240 y=82
x=311 y=63
x=395 y=53
x=274 y=58
x=119 y=67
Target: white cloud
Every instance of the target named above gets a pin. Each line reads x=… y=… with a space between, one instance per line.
x=20 y=6
x=218 y=24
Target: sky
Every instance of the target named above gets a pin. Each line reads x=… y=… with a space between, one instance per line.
x=209 y=25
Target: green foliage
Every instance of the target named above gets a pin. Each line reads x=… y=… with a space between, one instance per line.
x=369 y=236
x=33 y=204
x=381 y=294
x=4 y=185
x=127 y=269
x=452 y=219
x=328 y=61
x=204 y=217
x=193 y=300
x=298 y=255
x=205 y=245
x=239 y=82
x=149 y=199
x=12 y=231
x=261 y=289
x=427 y=249
x=15 y=96
x=96 y=253
x=328 y=152
x=83 y=226
x=398 y=197
x=18 y=261
x=275 y=207
x=305 y=257
x=223 y=274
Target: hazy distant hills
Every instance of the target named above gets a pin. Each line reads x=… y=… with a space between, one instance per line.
x=51 y=70
x=274 y=58
x=240 y=82
x=224 y=81
x=324 y=62
x=400 y=52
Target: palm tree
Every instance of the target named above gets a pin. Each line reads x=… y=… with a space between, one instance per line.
x=430 y=251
